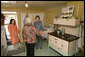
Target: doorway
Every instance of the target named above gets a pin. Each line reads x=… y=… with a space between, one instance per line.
x=8 y=16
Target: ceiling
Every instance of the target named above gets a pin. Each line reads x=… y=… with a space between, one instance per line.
x=36 y=4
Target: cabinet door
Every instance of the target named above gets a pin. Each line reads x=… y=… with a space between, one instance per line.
x=72 y=46
x=64 y=46
x=51 y=39
x=58 y=44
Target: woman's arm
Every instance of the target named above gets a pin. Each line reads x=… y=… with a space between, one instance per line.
x=36 y=31
x=41 y=33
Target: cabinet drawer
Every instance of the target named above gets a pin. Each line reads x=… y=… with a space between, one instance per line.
x=62 y=45
x=52 y=38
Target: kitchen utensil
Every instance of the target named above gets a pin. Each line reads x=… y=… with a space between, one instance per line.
x=58 y=31
x=63 y=31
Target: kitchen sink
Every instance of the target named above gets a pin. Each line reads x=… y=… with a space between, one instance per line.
x=67 y=37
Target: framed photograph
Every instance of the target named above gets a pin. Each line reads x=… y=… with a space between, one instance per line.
x=67 y=11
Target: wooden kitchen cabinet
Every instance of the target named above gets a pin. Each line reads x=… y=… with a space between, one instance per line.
x=68 y=22
x=51 y=40
x=58 y=44
x=65 y=48
x=72 y=47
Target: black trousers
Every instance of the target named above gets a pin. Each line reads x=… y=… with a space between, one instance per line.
x=30 y=49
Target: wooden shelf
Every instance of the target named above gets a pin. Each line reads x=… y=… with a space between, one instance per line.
x=68 y=22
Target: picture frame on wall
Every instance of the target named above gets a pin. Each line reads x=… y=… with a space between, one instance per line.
x=67 y=11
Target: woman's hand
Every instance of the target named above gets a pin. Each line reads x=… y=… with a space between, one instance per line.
x=45 y=32
x=48 y=31
x=42 y=33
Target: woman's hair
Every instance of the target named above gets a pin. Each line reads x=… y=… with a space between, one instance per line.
x=37 y=16
x=2 y=19
x=12 y=20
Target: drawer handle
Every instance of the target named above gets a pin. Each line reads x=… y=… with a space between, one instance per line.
x=55 y=41
x=61 y=45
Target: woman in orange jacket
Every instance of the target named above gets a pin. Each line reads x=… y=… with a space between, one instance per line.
x=12 y=28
